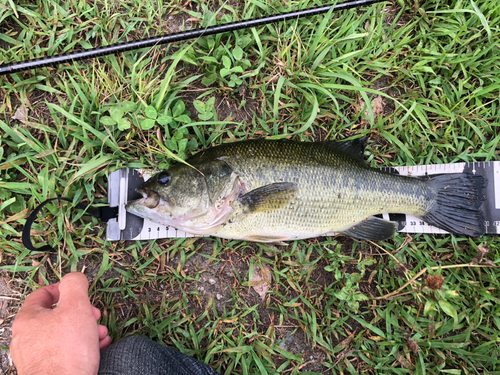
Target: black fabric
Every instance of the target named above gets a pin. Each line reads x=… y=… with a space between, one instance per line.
x=139 y=355
x=103 y=213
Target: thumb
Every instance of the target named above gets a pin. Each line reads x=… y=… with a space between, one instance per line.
x=73 y=292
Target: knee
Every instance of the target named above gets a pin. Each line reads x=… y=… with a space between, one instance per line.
x=126 y=356
x=134 y=341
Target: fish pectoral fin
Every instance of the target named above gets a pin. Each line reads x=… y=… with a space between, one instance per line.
x=269 y=197
x=372 y=228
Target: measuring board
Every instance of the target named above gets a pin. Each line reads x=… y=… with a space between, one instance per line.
x=122 y=185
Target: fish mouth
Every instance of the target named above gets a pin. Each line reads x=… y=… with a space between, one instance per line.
x=150 y=198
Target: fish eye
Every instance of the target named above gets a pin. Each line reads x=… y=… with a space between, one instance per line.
x=164 y=177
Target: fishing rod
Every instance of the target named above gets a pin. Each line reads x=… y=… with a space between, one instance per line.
x=176 y=37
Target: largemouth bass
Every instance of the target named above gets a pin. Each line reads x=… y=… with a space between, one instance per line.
x=274 y=191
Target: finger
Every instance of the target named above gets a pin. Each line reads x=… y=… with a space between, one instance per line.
x=73 y=291
x=104 y=343
x=43 y=298
x=103 y=332
x=97 y=313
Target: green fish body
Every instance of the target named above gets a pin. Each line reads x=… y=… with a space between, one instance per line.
x=276 y=190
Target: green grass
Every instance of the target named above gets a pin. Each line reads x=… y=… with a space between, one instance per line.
x=329 y=308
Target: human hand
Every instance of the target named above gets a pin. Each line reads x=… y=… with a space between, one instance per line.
x=65 y=339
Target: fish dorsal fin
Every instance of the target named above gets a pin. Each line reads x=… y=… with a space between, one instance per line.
x=269 y=197
x=355 y=148
x=372 y=228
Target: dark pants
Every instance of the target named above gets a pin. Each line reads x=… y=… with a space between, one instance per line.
x=139 y=355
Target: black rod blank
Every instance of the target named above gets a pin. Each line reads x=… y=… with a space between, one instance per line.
x=176 y=37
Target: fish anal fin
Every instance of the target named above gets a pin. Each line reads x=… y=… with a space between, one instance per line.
x=372 y=228
x=269 y=197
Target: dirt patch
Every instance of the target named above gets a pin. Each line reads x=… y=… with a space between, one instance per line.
x=174 y=23
x=391 y=11
x=31 y=112
x=231 y=108
x=39 y=109
x=215 y=278
x=381 y=105
x=12 y=28
x=296 y=342
x=236 y=106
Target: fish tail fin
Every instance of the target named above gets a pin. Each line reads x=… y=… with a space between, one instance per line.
x=456 y=203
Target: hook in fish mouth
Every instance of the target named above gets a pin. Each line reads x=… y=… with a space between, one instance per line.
x=150 y=198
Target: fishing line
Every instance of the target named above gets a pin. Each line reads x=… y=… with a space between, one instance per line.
x=176 y=37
